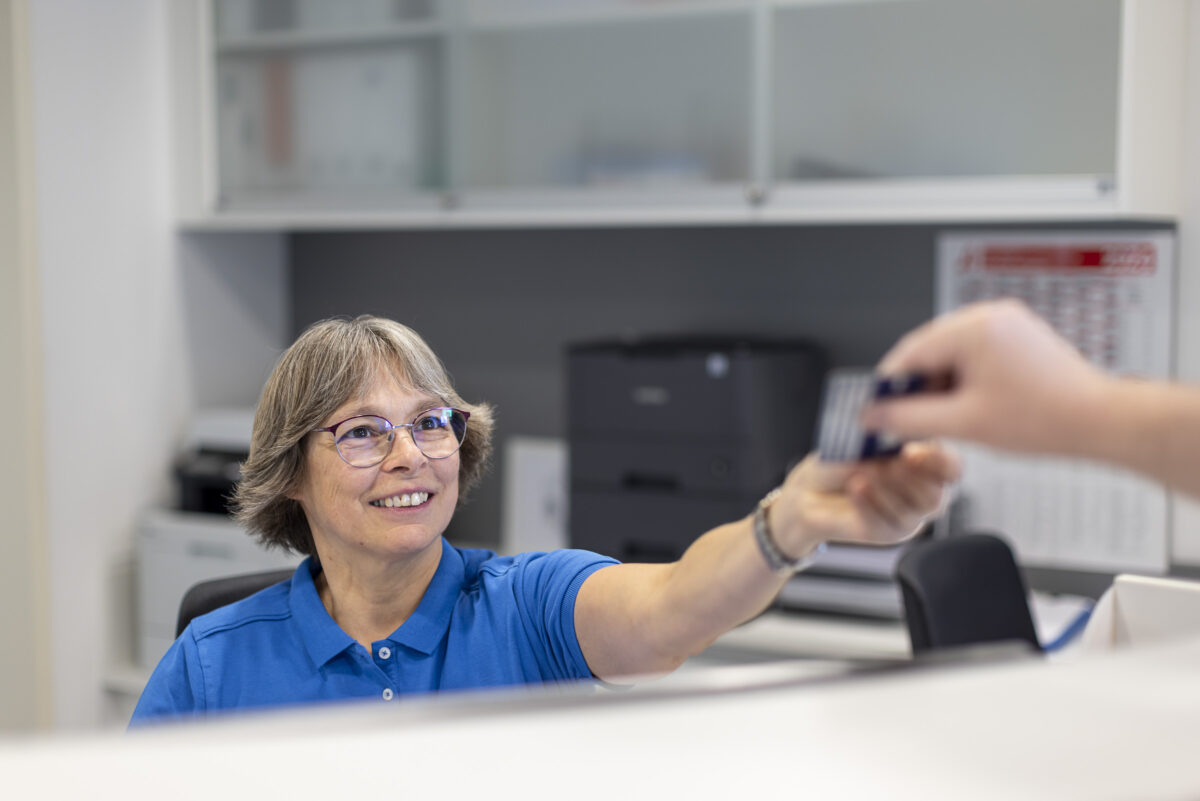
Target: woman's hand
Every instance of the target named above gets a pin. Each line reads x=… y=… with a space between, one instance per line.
x=878 y=502
x=648 y=618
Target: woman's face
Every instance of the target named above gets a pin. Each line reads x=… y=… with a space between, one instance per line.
x=346 y=506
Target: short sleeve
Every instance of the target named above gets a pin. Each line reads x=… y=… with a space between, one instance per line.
x=176 y=688
x=546 y=587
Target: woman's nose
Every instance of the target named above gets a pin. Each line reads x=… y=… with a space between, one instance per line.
x=404 y=455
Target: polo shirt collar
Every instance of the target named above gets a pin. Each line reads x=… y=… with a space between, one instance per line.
x=427 y=625
x=424 y=629
x=322 y=637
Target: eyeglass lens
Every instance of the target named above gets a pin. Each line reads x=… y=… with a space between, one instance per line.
x=365 y=441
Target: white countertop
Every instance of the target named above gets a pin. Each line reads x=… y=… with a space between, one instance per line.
x=1112 y=725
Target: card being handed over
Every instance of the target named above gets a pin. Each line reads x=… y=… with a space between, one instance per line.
x=840 y=436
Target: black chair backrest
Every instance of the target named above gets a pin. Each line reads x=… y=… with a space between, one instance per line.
x=215 y=593
x=964 y=590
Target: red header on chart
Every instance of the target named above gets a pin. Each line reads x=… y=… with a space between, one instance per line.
x=1121 y=258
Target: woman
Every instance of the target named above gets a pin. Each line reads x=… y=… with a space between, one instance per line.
x=361 y=451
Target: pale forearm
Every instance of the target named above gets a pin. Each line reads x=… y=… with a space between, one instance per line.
x=677 y=610
x=1150 y=427
x=721 y=581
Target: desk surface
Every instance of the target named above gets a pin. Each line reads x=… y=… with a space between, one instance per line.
x=1118 y=725
x=781 y=635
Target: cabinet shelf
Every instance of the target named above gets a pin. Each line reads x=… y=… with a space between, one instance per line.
x=284 y=41
x=872 y=203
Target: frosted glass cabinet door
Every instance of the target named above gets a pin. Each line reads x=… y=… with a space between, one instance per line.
x=327 y=104
x=612 y=96
x=882 y=90
x=687 y=109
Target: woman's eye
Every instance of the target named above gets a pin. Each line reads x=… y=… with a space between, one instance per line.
x=429 y=423
x=360 y=432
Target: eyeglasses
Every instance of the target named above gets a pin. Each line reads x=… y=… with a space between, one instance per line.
x=366 y=440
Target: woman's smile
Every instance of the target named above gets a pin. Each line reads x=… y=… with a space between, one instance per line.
x=406 y=500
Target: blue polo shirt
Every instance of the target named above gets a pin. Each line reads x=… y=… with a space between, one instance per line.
x=485 y=621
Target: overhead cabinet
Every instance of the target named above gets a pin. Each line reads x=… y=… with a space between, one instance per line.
x=298 y=113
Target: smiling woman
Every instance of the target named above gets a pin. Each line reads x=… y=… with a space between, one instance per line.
x=332 y=368
x=384 y=606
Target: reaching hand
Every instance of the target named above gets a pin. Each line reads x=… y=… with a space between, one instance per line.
x=1016 y=384
x=877 y=502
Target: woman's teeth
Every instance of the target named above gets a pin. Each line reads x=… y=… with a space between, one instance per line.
x=407 y=499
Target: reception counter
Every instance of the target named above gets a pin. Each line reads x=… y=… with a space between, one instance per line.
x=1123 y=724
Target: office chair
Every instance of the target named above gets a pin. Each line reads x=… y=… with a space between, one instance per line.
x=214 y=593
x=964 y=590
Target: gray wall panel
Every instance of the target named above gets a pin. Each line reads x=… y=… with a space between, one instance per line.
x=522 y=295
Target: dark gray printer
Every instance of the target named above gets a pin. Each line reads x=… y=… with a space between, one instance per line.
x=670 y=437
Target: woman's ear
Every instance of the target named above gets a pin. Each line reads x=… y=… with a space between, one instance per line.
x=296 y=491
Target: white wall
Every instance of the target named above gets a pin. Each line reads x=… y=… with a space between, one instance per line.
x=132 y=316
x=24 y=613
x=115 y=391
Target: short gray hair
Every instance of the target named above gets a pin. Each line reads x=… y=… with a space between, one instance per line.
x=332 y=362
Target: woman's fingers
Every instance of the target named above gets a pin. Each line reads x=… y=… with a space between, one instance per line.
x=933 y=459
x=875 y=502
x=901 y=493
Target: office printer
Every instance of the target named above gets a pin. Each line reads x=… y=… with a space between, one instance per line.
x=671 y=436
x=210 y=466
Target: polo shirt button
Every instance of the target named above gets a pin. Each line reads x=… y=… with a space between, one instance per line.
x=385 y=653
x=388 y=694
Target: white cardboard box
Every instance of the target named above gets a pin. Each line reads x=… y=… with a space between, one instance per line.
x=1143 y=610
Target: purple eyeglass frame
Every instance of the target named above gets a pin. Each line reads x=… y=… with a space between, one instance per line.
x=333 y=428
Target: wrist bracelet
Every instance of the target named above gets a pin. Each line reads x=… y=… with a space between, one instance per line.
x=776 y=560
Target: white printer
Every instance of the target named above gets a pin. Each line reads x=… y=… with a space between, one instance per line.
x=178 y=548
